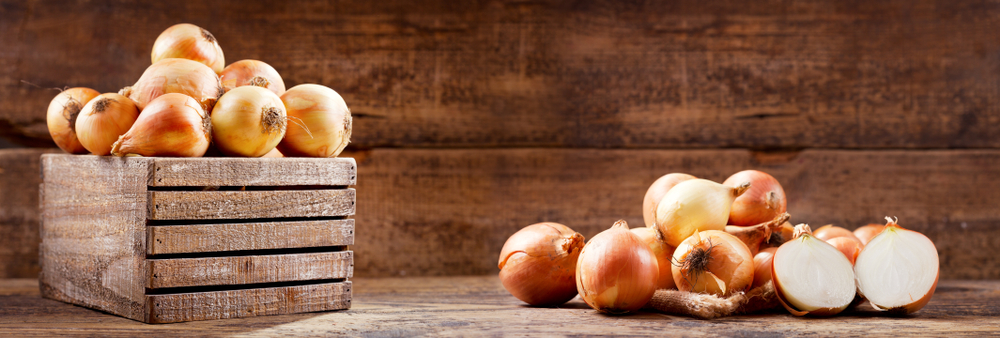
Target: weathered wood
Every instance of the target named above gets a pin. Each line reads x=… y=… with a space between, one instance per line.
x=174 y=239
x=200 y=172
x=189 y=205
x=19 y=214
x=172 y=308
x=253 y=269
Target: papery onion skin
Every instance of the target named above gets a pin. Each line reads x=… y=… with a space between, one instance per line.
x=804 y=234
x=762 y=267
x=831 y=231
x=248 y=121
x=866 y=257
x=867 y=232
x=616 y=272
x=655 y=193
x=763 y=202
x=190 y=42
x=173 y=125
x=62 y=114
x=181 y=76
x=663 y=253
x=252 y=73
x=103 y=120
x=538 y=264
x=692 y=206
x=756 y=236
x=319 y=122
x=713 y=262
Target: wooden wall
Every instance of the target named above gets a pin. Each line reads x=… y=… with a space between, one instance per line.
x=476 y=118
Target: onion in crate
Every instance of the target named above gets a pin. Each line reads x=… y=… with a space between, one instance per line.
x=248 y=121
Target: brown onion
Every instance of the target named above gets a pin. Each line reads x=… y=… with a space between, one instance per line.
x=187 y=41
x=865 y=233
x=103 y=120
x=538 y=263
x=171 y=125
x=252 y=73
x=248 y=121
x=713 y=262
x=62 y=114
x=762 y=267
x=616 y=272
x=655 y=193
x=663 y=253
x=763 y=202
x=181 y=76
x=831 y=231
x=319 y=122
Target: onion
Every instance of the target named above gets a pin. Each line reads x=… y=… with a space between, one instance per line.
x=187 y=41
x=713 y=262
x=176 y=76
x=692 y=206
x=754 y=236
x=103 y=120
x=172 y=125
x=763 y=202
x=616 y=272
x=62 y=114
x=320 y=123
x=865 y=233
x=663 y=253
x=538 y=263
x=252 y=73
x=811 y=276
x=248 y=121
x=273 y=153
x=898 y=270
x=831 y=231
x=655 y=193
x=762 y=267
x=850 y=247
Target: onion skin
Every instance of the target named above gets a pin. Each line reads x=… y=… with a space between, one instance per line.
x=103 y=120
x=181 y=76
x=252 y=73
x=831 y=231
x=763 y=202
x=655 y=193
x=616 y=272
x=248 y=121
x=762 y=267
x=62 y=114
x=727 y=264
x=755 y=236
x=187 y=41
x=850 y=247
x=692 y=206
x=319 y=122
x=890 y=229
x=173 y=125
x=867 y=232
x=663 y=253
x=538 y=263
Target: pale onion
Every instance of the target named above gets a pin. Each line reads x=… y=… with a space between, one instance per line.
x=831 y=231
x=763 y=202
x=252 y=73
x=181 y=76
x=757 y=235
x=103 y=120
x=850 y=247
x=713 y=262
x=616 y=272
x=248 y=121
x=61 y=117
x=692 y=206
x=663 y=253
x=655 y=193
x=811 y=276
x=172 y=125
x=319 y=122
x=898 y=270
x=865 y=233
x=187 y=41
x=762 y=267
x=538 y=263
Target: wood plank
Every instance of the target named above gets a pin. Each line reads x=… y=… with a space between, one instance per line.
x=172 y=308
x=690 y=74
x=200 y=172
x=252 y=269
x=189 y=205
x=174 y=239
x=19 y=214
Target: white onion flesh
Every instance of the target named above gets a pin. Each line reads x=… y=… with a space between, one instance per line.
x=897 y=268
x=813 y=275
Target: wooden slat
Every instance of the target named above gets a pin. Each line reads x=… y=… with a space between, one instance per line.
x=19 y=214
x=189 y=205
x=201 y=172
x=171 y=308
x=174 y=239
x=254 y=269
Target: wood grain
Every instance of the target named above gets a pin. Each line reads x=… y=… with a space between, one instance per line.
x=172 y=308
x=19 y=213
x=175 y=239
x=252 y=269
x=200 y=172
x=190 y=205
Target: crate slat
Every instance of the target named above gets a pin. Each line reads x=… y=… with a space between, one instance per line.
x=191 y=205
x=174 y=239
x=172 y=308
x=200 y=172
x=254 y=269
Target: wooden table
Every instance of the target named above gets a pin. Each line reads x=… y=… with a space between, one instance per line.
x=478 y=306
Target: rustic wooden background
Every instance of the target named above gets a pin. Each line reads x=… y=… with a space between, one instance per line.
x=476 y=118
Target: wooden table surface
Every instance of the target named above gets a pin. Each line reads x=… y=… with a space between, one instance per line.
x=479 y=306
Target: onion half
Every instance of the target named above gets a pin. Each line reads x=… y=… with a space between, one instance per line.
x=898 y=270
x=811 y=276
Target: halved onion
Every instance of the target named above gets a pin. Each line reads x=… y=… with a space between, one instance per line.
x=811 y=276
x=898 y=270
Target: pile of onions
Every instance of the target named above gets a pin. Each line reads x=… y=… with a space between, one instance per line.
x=898 y=270
x=319 y=122
x=181 y=76
x=763 y=202
x=655 y=193
x=692 y=206
x=103 y=120
x=663 y=253
x=252 y=73
x=171 y=125
x=616 y=272
x=62 y=114
x=187 y=41
x=811 y=276
x=538 y=263
x=248 y=121
x=713 y=262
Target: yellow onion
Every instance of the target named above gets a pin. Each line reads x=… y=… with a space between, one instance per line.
x=248 y=121
x=171 y=125
x=187 y=41
x=319 y=122
x=663 y=253
x=181 y=76
x=62 y=114
x=713 y=262
x=103 y=120
x=763 y=202
x=762 y=267
x=850 y=247
x=865 y=233
x=538 y=263
x=811 y=276
x=252 y=73
x=692 y=206
x=831 y=231
x=616 y=272
x=898 y=270
x=655 y=193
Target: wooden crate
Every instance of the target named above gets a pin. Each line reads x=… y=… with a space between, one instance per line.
x=164 y=240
